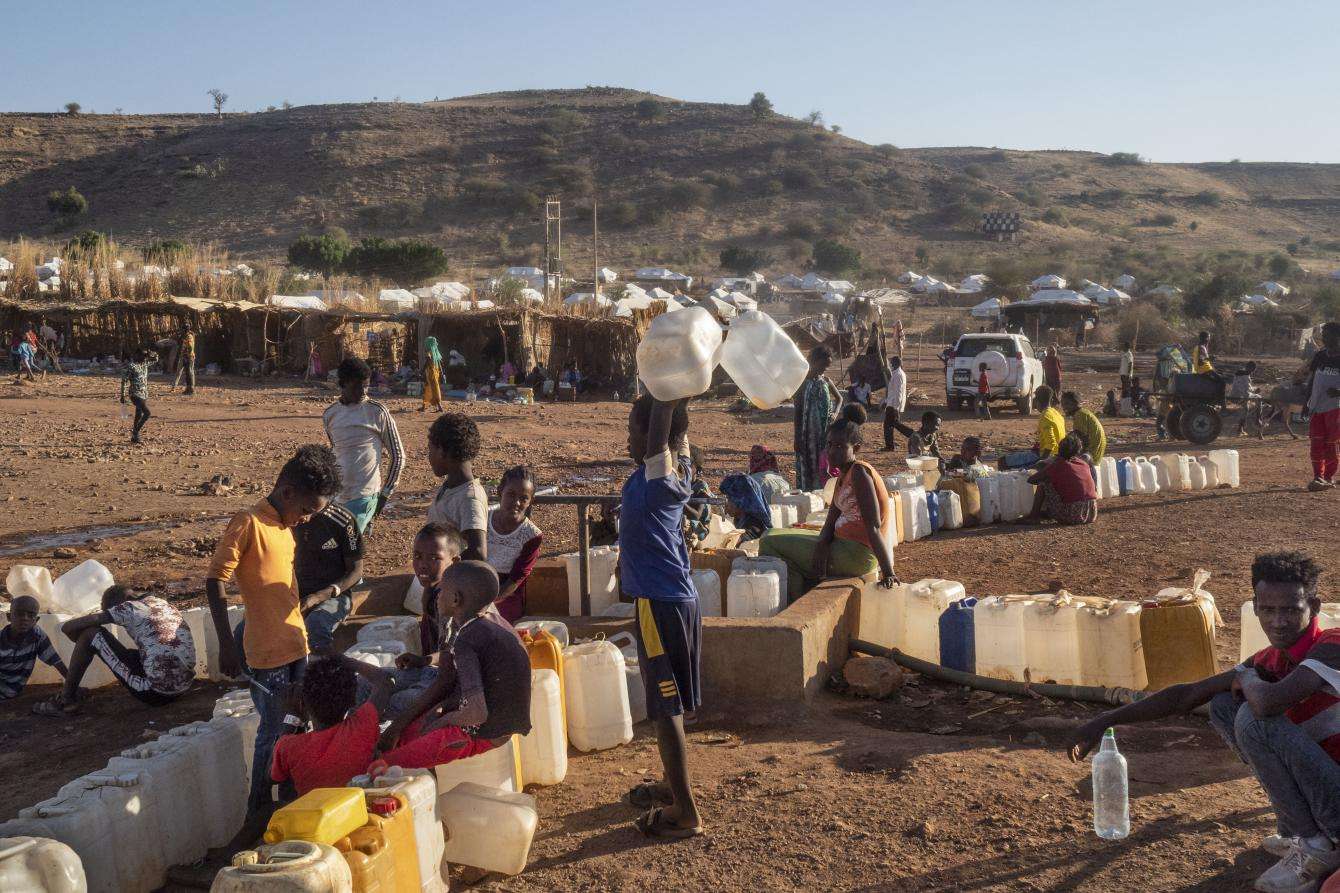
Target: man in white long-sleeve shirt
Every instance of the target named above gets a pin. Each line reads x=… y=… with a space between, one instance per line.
x=360 y=430
x=895 y=403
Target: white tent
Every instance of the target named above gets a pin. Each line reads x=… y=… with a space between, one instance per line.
x=1168 y=290
x=814 y=282
x=333 y=296
x=1273 y=289
x=974 y=283
x=1125 y=282
x=531 y=296
x=910 y=278
x=1093 y=289
x=298 y=302
x=746 y=284
x=444 y=291
x=886 y=296
x=1051 y=280
x=608 y=275
x=740 y=301
x=661 y=274
x=717 y=307
x=928 y=285
x=6 y=265
x=586 y=297
x=397 y=300
x=1057 y=296
x=1112 y=296
x=832 y=297
x=523 y=272
x=987 y=309
x=1259 y=301
x=841 y=286
x=791 y=281
x=660 y=294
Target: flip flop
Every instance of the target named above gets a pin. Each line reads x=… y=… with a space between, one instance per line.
x=647 y=795
x=54 y=708
x=654 y=824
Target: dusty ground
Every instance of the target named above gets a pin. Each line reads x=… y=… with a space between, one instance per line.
x=934 y=790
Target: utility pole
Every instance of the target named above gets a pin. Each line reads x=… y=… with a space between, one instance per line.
x=553 y=244
x=595 y=245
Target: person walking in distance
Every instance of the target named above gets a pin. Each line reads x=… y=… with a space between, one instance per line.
x=1323 y=389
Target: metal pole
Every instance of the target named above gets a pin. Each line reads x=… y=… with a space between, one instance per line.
x=584 y=562
x=595 y=246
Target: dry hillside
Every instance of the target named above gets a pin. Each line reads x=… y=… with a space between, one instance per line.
x=673 y=188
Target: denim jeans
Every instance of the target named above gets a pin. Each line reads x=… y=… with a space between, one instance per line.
x=409 y=684
x=363 y=509
x=271 y=706
x=1301 y=780
x=1019 y=459
x=322 y=620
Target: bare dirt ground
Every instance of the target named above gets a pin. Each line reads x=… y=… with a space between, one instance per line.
x=936 y=789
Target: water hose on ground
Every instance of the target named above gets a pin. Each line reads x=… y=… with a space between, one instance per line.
x=1094 y=693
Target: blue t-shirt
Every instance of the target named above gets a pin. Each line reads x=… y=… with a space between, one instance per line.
x=653 y=558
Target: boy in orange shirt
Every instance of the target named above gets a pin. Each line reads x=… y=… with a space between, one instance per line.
x=255 y=553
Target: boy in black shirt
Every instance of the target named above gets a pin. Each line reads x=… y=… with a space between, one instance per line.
x=328 y=562
x=481 y=696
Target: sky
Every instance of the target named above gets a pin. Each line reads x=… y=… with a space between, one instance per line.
x=1175 y=80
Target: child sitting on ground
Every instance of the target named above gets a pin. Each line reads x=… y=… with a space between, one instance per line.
x=341 y=742
x=436 y=548
x=156 y=672
x=453 y=444
x=22 y=644
x=514 y=541
x=481 y=695
x=926 y=440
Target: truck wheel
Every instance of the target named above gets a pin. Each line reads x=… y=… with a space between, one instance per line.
x=954 y=403
x=1025 y=405
x=1201 y=424
x=1174 y=423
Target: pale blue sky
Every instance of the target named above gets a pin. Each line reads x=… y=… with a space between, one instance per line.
x=1175 y=80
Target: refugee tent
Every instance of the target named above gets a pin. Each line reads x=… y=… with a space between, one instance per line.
x=661 y=274
x=928 y=285
x=586 y=298
x=1165 y=290
x=886 y=296
x=397 y=300
x=1273 y=289
x=718 y=308
x=660 y=294
x=814 y=282
x=298 y=302
x=6 y=265
x=1113 y=296
x=1125 y=282
x=841 y=286
x=1259 y=301
x=974 y=283
x=1055 y=296
x=740 y=300
x=531 y=296
x=1051 y=280
x=608 y=275
x=791 y=282
x=524 y=272
x=332 y=296
x=444 y=291
x=909 y=278
x=626 y=306
x=735 y=283
x=833 y=298
x=987 y=309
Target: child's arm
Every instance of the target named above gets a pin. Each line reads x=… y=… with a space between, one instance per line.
x=521 y=568
x=230 y=662
x=379 y=679
x=125 y=379
x=473 y=710
x=658 y=427
x=74 y=627
x=47 y=655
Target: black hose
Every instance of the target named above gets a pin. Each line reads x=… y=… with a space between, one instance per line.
x=1095 y=693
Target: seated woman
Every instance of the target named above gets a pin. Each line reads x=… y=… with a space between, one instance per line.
x=854 y=540
x=746 y=506
x=1066 y=491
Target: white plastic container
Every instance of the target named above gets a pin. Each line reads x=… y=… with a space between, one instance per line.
x=637 y=692
x=1211 y=472
x=916 y=514
x=1163 y=472
x=378 y=654
x=402 y=630
x=679 y=353
x=32 y=580
x=805 y=504
x=40 y=864
x=1051 y=639
x=1195 y=474
x=487 y=828
x=762 y=359
x=294 y=866
x=207 y=650
x=1226 y=467
x=620 y=609
x=419 y=788
x=414 y=597
x=223 y=780
x=79 y=590
x=988 y=486
x=596 y=690
x=1179 y=472
x=926 y=601
x=758 y=564
x=1147 y=475
x=882 y=616
x=1111 y=653
x=1107 y=478
x=753 y=594
x=783 y=515
x=998 y=630
x=951 y=510
x=707 y=583
x=170 y=772
x=245 y=720
x=544 y=751
x=82 y=823
x=556 y=628
x=498 y=768
x=141 y=864
x=603 y=563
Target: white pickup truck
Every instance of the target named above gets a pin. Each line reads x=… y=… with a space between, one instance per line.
x=1013 y=372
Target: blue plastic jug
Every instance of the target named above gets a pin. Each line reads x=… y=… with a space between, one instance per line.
x=958 y=644
x=933 y=507
x=1125 y=468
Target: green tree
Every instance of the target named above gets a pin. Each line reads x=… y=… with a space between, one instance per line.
x=73 y=108
x=68 y=203
x=87 y=241
x=1207 y=296
x=833 y=258
x=1279 y=266
x=164 y=251
x=760 y=106
x=815 y=118
x=1125 y=159
x=740 y=260
x=403 y=261
x=650 y=109
x=219 y=99
x=318 y=254
x=1326 y=300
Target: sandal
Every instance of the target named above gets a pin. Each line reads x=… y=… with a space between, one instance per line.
x=54 y=707
x=648 y=795
x=655 y=824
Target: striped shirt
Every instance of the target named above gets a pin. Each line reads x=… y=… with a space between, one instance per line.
x=17 y=656
x=359 y=433
x=1319 y=713
x=136 y=377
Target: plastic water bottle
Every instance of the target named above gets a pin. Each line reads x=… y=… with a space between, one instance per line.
x=1111 y=802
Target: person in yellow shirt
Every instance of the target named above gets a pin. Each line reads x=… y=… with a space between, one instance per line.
x=1051 y=424
x=1200 y=355
x=255 y=554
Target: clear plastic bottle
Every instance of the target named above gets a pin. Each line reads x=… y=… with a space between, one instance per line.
x=1111 y=802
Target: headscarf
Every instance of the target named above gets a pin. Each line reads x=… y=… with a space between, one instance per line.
x=747 y=495
x=431 y=348
x=762 y=459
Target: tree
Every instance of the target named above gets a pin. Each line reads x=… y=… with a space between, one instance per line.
x=1279 y=265
x=1207 y=296
x=740 y=260
x=88 y=241
x=286 y=105
x=219 y=98
x=836 y=128
x=761 y=106
x=68 y=203
x=815 y=118
x=407 y=260
x=318 y=254
x=834 y=258
x=72 y=108
x=649 y=109
x=164 y=251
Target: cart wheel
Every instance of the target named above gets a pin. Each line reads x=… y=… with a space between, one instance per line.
x=1174 y=423
x=1201 y=424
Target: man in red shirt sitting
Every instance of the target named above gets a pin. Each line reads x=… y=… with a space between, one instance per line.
x=342 y=743
x=1280 y=711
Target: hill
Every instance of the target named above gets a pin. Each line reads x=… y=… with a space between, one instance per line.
x=675 y=184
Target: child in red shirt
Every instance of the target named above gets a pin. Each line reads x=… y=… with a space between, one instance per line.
x=343 y=743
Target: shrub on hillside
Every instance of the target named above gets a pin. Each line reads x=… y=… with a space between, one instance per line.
x=1124 y=159
x=68 y=203
x=164 y=252
x=1159 y=220
x=1208 y=199
x=318 y=254
x=561 y=122
x=834 y=258
x=740 y=260
x=649 y=109
x=1056 y=217
x=975 y=171
x=760 y=106
x=87 y=241
x=799 y=228
x=1206 y=297
x=619 y=215
x=403 y=261
x=685 y=194
x=1280 y=265
x=478 y=193
x=569 y=178
x=800 y=178
x=886 y=150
